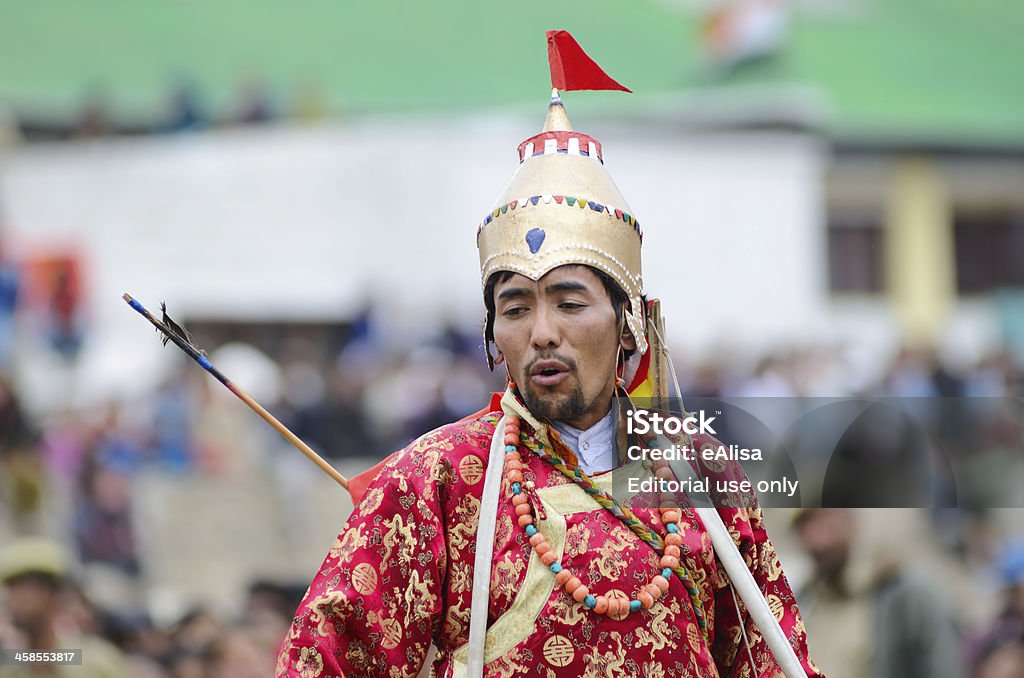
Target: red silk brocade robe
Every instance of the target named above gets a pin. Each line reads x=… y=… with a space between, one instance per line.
x=400 y=574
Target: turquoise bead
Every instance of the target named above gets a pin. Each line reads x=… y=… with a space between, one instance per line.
x=671 y=527
x=517 y=488
x=634 y=606
x=510 y=448
x=530 y=530
x=667 y=573
x=590 y=601
x=556 y=567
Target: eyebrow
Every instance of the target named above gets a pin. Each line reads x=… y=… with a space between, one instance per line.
x=513 y=293
x=566 y=286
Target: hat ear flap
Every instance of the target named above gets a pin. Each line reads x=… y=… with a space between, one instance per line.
x=626 y=339
x=635 y=322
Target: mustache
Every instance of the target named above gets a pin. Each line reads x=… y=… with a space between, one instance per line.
x=568 y=362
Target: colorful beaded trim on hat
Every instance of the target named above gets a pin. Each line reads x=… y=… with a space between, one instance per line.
x=566 y=200
x=613 y=607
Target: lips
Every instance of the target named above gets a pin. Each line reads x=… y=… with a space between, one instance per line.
x=548 y=372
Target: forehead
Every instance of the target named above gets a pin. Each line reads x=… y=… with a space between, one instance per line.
x=574 y=274
x=826 y=519
x=27 y=581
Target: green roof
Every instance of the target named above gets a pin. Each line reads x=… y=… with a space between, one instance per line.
x=884 y=68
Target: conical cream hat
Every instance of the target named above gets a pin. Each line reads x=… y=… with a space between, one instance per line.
x=562 y=207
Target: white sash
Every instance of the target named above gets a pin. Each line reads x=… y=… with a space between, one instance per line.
x=485 y=552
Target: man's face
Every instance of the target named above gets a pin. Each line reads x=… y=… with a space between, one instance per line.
x=29 y=601
x=826 y=535
x=559 y=338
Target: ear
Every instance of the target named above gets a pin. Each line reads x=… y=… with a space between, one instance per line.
x=500 y=359
x=626 y=338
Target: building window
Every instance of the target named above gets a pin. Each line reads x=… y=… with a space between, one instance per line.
x=855 y=254
x=989 y=250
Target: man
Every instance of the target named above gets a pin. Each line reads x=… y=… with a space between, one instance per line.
x=870 y=616
x=579 y=584
x=33 y=572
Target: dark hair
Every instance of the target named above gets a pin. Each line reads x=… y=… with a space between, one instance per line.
x=39 y=578
x=616 y=294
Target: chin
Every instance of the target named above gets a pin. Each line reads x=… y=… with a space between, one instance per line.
x=556 y=406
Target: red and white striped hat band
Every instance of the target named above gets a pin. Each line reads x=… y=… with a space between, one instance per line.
x=559 y=141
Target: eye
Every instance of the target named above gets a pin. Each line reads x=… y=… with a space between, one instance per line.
x=571 y=305
x=514 y=311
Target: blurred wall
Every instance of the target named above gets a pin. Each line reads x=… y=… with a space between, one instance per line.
x=309 y=223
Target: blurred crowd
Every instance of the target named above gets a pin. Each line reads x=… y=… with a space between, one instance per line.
x=46 y=609
x=185 y=109
x=360 y=398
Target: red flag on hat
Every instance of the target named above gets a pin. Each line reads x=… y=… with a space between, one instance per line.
x=572 y=69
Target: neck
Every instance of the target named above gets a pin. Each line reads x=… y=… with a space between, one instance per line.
x=41 y=637
x=589 y=419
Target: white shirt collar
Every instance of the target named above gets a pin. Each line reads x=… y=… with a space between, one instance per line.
x=595 y=447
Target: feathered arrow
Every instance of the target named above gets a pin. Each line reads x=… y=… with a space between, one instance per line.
x=172 y=331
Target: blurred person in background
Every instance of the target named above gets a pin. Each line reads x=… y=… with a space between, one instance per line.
x=34 y=573
x=254 y=102
x=194 y=641
x=66 y=323
x=94 y=116
x=9 y=282
x=918 y=373
x=1000 y=654
x=309 y=101
x=999 y=651
x=103 y=523
x=22 y=471
x=869 y=617
x=103 y=526
x=146 y=647
x=173 y=423
x=185 y=108
x=198 y=630
x=565 y=310
x=239 y=655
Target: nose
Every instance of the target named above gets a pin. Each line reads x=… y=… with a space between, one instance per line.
x=544 y=333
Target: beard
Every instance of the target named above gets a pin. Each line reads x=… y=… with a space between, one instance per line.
x=556 y=408
x=569 y=406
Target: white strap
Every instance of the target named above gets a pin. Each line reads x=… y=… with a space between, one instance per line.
x=744 y=584
x=485 y=553
x=742 y=580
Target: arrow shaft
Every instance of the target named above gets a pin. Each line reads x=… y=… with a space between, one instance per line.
x=204 y=362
